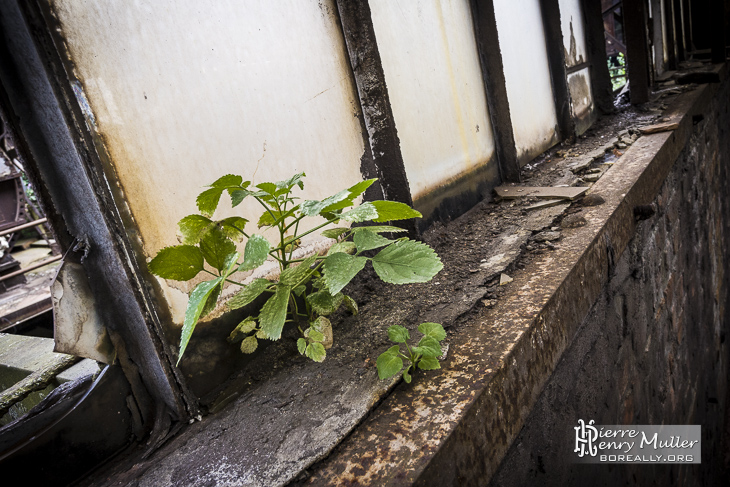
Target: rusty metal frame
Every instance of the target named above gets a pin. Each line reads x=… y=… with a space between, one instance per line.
x=550 y=11
x=637 y=51
x=485 y=32
x=67 y=170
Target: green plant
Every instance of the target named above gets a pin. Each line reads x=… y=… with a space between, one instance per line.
x=424 y=355
x=309 y=288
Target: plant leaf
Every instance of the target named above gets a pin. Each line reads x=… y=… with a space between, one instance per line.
x=244 y=328
x=269 y=188
x=196 y=303
x=351 y=304
x=273 y=313
x=394 y=210
x=288 y=184
x=316 y=352
x=406 y=375
x=227 y=181
x=215 y=247
x=207 y=201
x=334 y=232
x=429 y=363
x=249 y=344
x=249 y=293
x=359 y=188
x=323 y=303
x=367 y=240
x=364 y=212
x=212 y=300
x=293 y=276
x=389 y=363
x=407 y=261
x=271 y=217
x=193 y=227
x=379 y=229
x=302 y=345
x=238 y=195
x=256 y=252
x=314 y=334
x=433 y=330
x=428 y=347
x=181 y=262
x=398 y=334
x=233 y=227
x=346 y=247
x=340 y=268
x=324 y=326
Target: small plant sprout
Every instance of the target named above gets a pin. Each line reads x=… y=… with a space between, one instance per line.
x=423 y=356
x=308 y=289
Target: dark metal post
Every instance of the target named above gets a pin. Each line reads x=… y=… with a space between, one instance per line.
x=556 y=59
x=485 y=32
x=596 y=47
x=679 y=30
x=717 y=36
x=670 y=46
x=357 y=26
x=637 y=50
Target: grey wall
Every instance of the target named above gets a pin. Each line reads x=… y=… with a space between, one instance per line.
x=653 y=349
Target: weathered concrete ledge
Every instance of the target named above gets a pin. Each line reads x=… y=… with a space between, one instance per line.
x=456 y=428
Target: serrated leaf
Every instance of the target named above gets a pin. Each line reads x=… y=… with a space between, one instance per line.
x=433 y=330
x=428 y=347
x=398 y=334
x=364 y=212
x=244 y=328
x=314 y=335
x=393 y=210
x=323 y=303
x=389 y=363
x=212 y=300
x=293 y=276
x=359 y=188
x=301 y=345
x=346 y=247
x=233 y=227
x=407 y=261
x=246 y=295
x=334 y=232
x=269 y=188
x=273 y=313
x=367 y=240
x=295 y=180
x=207 y=201
x=238 y=195
x=299 y=290
x=261 y=335
x=340 y=268
x=351 y=304
x=227 y=181
x=271 y=217
x=249 y=344
x=316 y=352
x=181 y=263
x=324 y=326
x=196 y=303
x=193 y=227
x=255 y=253
x=429 y=363
x=379 y=229
x=215 y=247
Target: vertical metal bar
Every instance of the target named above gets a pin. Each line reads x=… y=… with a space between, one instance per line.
x=550 y=10
x=679 y=30
x=596 y=47
x=670 y=46
x=367 y=68
x=637 y=50
x=658 y=39
x=485 y=32
x=717 y=35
